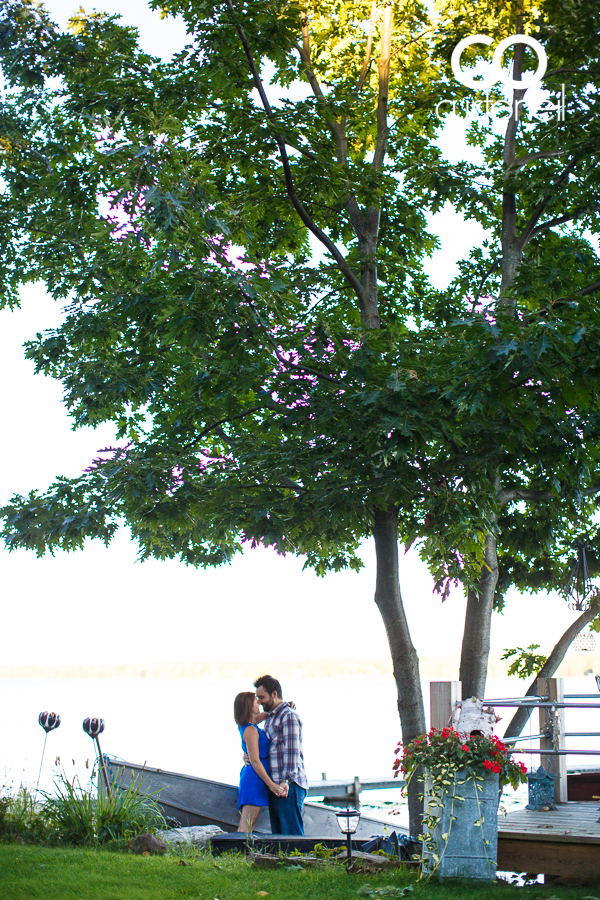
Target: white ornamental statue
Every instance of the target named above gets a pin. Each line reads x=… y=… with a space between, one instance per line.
x=470 y=717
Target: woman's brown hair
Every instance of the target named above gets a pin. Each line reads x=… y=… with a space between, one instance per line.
x=243 y=708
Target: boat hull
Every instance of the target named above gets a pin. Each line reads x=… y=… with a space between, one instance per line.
x=198 y=801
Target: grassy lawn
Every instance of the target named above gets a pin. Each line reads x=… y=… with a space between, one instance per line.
x=32 y=872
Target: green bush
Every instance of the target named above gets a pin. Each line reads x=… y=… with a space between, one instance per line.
x=73 y=815
x=20 y=816
x=77 y=816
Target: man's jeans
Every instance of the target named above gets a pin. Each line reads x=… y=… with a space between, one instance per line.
x=286 y=812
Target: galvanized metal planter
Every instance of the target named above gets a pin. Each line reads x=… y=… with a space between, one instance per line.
x=464 y=843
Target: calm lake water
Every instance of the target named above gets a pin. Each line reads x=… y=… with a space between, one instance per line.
x=186 y=725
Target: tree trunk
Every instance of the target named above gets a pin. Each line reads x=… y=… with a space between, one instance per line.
x=478 y=622
x=404 y=656
x=521 y=717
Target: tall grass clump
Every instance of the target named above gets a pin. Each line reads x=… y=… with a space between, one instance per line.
x=21 y=816
x=78 y=816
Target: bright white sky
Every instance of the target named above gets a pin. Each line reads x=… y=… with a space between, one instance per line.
x=99 y=605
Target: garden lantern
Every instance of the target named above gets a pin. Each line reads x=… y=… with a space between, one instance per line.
x=348 y=820
x=541 y=789
x=579 y=588
x=94 y=727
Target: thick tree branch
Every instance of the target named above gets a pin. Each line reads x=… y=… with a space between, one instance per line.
x=509 y=496
x=512 y=127
x=492 y=268
x=286 y=362
x=303 y=151
x=292 y=485
x=44 y=159
x=62 y=240
x=562 y=220
x=512 y=494
x=538 y=212
x=311 y=371
x=217 y=425
x=521 y=161
x=595 y=286
x=521 y=717
x=343 y=266
x=565 y=69
x=337 y=129
x=384 y=86
x=369 y=47
x=511 y=247
x=560 y=301
x=305 y=56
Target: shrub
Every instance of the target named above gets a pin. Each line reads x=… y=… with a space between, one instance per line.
x=77 y=816
x=20 y=816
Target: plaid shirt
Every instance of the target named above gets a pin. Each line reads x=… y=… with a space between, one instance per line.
x=284 y=729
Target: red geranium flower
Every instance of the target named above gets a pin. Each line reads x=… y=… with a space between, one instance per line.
x=496 y=767
x=465 y=748
x=488 y=764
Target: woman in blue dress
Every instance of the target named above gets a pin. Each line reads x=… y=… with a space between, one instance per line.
x=255 y=779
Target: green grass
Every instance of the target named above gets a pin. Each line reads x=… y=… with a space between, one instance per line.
x=32 y=872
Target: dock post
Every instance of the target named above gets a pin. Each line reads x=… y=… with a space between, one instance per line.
x=355 y=795
x=553 y=723
x=443 y=697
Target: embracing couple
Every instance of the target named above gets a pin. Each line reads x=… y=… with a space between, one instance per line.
x=273 y=774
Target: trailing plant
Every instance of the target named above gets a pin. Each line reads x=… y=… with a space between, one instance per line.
x=450 y=761
x=444 y=752
x=78 y=816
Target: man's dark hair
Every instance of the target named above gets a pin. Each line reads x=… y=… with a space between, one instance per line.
x=270 y=684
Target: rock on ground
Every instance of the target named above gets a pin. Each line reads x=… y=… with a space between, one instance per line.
x=147 y=843
x=198 y=835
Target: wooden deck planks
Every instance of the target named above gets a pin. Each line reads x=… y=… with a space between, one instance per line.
x=563 y=842
x=571 y=821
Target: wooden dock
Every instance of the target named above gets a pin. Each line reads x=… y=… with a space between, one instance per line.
x=344 y=791
x=563 y=842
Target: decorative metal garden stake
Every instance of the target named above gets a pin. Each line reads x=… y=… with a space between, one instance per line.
x=49 y=721
x=94 y=727
x=579 y=587
x=541 y=789
x=348 y=820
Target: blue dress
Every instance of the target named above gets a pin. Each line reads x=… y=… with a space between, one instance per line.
x=253 y=791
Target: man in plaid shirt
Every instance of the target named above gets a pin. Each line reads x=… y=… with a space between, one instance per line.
x=283 y=727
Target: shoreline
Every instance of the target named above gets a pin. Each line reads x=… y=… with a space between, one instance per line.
x=442 y=668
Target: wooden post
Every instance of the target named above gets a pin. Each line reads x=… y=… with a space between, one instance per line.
x=355 y=795
x=553 y=721
x=443 y=697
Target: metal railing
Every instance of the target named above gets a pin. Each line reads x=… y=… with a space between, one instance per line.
x=545 y=703
x=552 y=728
x=551 y=703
